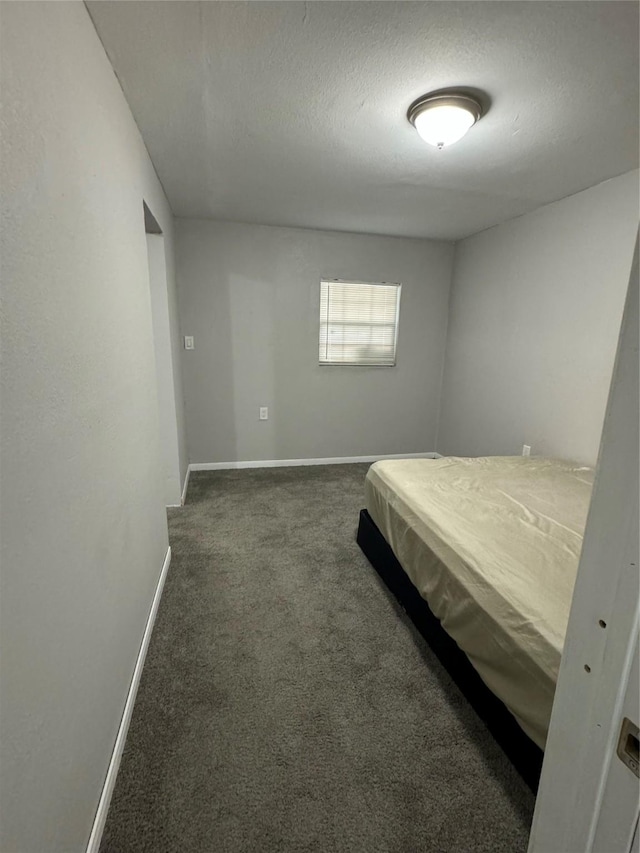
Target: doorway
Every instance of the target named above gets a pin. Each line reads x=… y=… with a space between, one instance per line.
x=167 y=419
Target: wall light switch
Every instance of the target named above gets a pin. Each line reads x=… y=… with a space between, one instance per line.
x=264 y=413
x=526 y=450
x=189 y=342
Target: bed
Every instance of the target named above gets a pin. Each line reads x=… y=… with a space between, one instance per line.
x=489 y=551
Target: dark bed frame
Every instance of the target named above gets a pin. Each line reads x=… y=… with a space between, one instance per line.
x=524 y=754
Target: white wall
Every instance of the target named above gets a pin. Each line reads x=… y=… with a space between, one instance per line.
x=250 y=295
x=534 y=318
x=83 y=523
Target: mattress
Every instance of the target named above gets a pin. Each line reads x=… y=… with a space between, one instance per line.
x=492 y=544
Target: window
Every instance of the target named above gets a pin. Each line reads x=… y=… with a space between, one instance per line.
x=358 y=323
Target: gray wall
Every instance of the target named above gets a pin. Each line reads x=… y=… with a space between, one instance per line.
x=250 y=296
x=83 y=526
x=535 y=312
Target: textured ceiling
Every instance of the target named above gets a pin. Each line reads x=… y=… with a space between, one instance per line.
x=291 y=113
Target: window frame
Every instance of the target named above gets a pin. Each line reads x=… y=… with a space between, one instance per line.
x=398 y=286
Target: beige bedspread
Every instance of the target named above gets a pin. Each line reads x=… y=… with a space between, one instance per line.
x=492 y=544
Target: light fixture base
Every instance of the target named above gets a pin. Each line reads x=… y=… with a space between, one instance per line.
x=465 y=102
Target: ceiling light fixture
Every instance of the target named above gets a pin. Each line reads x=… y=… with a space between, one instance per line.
x=444 y=119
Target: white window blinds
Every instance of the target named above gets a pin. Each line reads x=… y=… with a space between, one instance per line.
x=358 y=322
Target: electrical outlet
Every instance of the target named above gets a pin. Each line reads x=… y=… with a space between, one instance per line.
x=189 y=342
x=264 y=413
x=526 y=450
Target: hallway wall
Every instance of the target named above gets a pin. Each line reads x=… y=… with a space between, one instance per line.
x=84 y=533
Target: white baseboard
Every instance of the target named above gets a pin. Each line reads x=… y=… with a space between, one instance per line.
x=112 y=772
x=186 y=485
x=285 y=463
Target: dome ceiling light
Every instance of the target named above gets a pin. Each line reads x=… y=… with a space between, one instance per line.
x=445 y=118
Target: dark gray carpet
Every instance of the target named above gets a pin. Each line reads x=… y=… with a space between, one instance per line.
x=288 y=705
